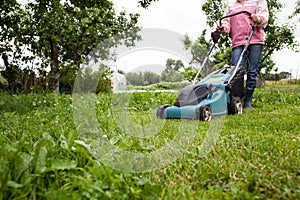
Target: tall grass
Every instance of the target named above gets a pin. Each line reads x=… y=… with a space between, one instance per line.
x=257 y=155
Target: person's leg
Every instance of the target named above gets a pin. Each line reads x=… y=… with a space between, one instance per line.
x=235 y=56
x=238 y=88
x=253 y=57
x=254 y=53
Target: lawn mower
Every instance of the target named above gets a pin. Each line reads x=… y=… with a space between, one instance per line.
x=218 y=94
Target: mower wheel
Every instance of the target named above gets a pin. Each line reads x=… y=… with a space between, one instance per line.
x=160 y=111
x=205 y=113
x=236 y=106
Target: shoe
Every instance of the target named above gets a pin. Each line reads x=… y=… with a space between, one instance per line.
x=248 y=99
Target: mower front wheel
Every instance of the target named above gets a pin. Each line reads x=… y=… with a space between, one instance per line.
x=236 y=106
x=205 y=113
x=160 y=111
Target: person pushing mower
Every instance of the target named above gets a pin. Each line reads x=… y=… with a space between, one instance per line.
x=239 y=27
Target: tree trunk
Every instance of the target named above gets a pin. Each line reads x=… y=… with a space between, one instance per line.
x=25 y=91
x=54 y=75
x=261 y=81
x=10 y=74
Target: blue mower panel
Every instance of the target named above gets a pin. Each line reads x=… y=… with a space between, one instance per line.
x=210 y=98
x=215 y=101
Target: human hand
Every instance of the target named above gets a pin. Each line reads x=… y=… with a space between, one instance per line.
x=222 y=29
x=256 y=18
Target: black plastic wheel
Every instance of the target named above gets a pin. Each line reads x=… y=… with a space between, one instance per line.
x=160 y=111
x=236 y=106
x=205 y=113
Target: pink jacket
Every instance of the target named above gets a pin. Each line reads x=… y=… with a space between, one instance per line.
x=240 y=25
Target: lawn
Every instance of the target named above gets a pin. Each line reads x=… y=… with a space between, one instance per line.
x=47 y=151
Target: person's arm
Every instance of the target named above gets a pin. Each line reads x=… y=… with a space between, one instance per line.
x=225 y=26
x=262 y=14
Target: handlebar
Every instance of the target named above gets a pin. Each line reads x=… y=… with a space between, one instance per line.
x=243 y=11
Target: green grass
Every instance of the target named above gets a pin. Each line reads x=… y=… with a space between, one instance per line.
x=257 y=155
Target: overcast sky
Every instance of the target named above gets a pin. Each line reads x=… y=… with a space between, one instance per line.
x=186 y=17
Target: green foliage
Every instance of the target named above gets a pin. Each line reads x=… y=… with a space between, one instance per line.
x=213 y=10
x=10 y=17
x=276 y=76
x=60 y=34
x=13 y=76
x=142 y=79
x=175 y=72
x=278 y=36
x=198 y=49
x=172 y=76
x=172 y=72
x=135 y=78
x=3 y=83
x=146 y=3
x=104 y=76
x=282 y=96
x=164 y=86
x=173 y=65
x=92 y=81
x=297 y=9
x=189 y=73
x=223 y=58
x=151 y=78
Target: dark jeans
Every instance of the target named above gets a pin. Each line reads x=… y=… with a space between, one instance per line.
x=253 y=57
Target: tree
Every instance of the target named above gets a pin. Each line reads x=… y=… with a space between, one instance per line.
x=89 y=80
x=172 y=71
x=173 y=65
x=63 y=33
x=172 y=77
x=285 y=75
x=189 y=73
x=198 y=50
x=72 y=30
x=141 y=79
x=146 y=3
x=3 y=83
x=297 y=9
x=135 y=79
x=276 y=76
x=151 y=78
x=10 y=14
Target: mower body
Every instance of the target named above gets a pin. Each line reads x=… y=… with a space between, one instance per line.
x=210 y=98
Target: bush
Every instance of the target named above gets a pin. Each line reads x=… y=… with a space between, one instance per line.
x=165 y=86
x=3 y=83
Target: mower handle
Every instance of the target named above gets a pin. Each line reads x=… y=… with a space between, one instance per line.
x=216 y=35
x=231 y=15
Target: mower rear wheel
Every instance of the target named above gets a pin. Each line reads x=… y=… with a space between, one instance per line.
x=160 y=111
x=236 y=106
x=205 y=113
